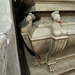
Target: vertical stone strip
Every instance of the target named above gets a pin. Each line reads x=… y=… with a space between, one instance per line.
x=9 y=61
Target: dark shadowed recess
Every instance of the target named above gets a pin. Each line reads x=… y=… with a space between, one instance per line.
x=22 y=58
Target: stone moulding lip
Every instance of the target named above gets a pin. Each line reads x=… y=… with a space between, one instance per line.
x=37 y=39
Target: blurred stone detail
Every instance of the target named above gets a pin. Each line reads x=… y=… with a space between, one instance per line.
x=9 y=62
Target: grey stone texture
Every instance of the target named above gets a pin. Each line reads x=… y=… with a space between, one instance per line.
x=9 y=61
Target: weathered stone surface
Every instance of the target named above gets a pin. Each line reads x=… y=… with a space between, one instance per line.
x=2 y=54
x=9 y=62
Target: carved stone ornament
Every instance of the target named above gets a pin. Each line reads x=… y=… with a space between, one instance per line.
x=47 y=38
